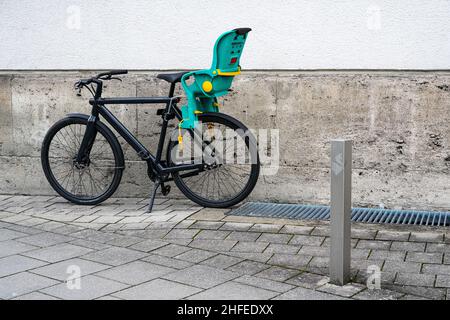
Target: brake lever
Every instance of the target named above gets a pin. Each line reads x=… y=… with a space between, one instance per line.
x=115 y=78
x=78 y=86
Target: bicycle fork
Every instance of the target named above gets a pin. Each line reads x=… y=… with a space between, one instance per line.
x=88 y=141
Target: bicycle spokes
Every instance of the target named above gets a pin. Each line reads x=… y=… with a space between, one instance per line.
x=88 y=178
x=225 y=160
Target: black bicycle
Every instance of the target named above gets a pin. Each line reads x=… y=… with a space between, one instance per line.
x=212 y=157
x=83 y=160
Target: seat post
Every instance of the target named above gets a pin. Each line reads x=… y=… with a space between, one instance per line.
x=172 y=89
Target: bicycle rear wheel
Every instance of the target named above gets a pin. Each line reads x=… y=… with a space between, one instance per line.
x=87 y=183
x=229 y=158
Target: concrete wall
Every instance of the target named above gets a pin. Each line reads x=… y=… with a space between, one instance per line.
x=178 y=34
x=398 y=120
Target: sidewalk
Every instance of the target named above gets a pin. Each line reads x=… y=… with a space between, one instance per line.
x=182 y=251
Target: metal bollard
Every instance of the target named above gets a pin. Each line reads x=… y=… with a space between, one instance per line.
x=340 y=215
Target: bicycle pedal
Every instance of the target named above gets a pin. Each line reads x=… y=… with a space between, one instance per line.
x=165 y=190
x=160 y=112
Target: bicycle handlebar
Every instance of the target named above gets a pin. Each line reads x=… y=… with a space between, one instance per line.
x=111 y=73
x=98 y=80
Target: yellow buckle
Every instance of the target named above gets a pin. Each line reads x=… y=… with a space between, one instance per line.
x=229 y=74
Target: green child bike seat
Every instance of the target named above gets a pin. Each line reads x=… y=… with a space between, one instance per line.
x=211 y=83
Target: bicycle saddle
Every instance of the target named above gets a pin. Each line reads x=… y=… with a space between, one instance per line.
x=172 y=77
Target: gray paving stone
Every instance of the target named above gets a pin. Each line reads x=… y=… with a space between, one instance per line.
x=319 y=262
x=264 y=283
x=50 y=225
x=365 y=234
x=387 y=255
x=180 y=242
x=67 y=229
x=248 y=267
x=186 y=224
x=207 y=225
x=91 y=287
x=315 y=251
x=378 y=294
x=234 y=291
x=222 y=261
x=212 y=234
x=36 y=295
x=171 y=250
x=22 y=283
x=123 y=241
x=135 y=225
x=201 y=276
x=360 y=253
x=307 y=294
x=306 y=240
x=290 y=260
x=414 y=279
x=15 y=264
x=57 y=252
x=443 y=281
x=308 y=280
x=214 y=245
x=254 y=256
x=296 y=229
x=374 y=244
x=61 y=270
x=32 y=222
x=275 y=238
x=347 y=290
x=196 y=255
x=425 y=292
x=438 y=247
x=162 y=225
x=6 y=234
x=321 y=231
x=447 y=258
x=427 y=237
x=277 y=274
x=94 y=235
x=90 y=244
x=158 y=289
x=135 y=272
x=265 y=227
x=399 y=266
x=282 y=248
x=114 y=256
x=424 y=257
x=243 y=236
x=247 y=246
x=408 y=246
x=45 y=239
x=11 y=247
x=23 y=229
x=167 y=262
x=436 y=269
x=236 y=226
x=148 y=245
x=393 y=235
x=363 y=264
x=182 y=233
x=147 y=233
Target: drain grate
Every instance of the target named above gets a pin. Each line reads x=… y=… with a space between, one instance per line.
x=369 y=215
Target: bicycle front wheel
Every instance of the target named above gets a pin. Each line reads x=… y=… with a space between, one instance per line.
x=96 y=178
x=229 y=160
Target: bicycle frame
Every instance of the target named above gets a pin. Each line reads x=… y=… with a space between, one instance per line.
x=158 y=167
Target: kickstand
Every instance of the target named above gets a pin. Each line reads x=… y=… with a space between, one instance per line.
x=153 y=194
